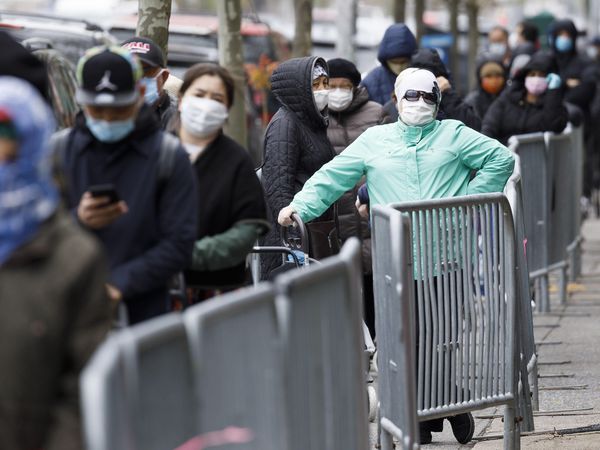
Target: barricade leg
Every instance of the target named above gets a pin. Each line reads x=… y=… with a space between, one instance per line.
x=544 y=294
x=533 y=384
x=562 y=285
x=511 y=429
x=386 y=439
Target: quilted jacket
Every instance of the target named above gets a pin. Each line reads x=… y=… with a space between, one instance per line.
x=296 y=143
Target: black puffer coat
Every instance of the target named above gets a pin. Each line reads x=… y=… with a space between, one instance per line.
x=511 y=114
x=296 y=143
x=479 y=99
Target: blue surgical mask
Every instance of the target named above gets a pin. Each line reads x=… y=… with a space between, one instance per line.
x=108 y=132
x=151 y=95
x=563 y=44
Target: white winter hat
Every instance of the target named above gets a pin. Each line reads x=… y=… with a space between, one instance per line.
x=417 y=79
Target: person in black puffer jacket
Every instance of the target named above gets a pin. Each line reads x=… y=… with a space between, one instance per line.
x=491 y=80
x=452 y=105
x=350 y=114
x=296 y=143
x=533 y=102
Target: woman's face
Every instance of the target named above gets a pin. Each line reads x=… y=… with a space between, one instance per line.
x=208 y=86
x=536 y=73
x=320 y=83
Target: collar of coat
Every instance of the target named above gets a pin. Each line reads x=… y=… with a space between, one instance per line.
x=414 y=134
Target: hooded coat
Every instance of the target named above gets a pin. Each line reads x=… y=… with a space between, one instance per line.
x=398 y=41
x=511 y=114
x=296 y=143
x=479 y=99
x=572 y=66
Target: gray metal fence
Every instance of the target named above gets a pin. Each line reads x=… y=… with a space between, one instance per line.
x=466 y=294
x=528 y=383
x=321 y=314
x=394 y=317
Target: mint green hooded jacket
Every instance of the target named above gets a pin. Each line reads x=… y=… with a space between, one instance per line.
x=405 y=163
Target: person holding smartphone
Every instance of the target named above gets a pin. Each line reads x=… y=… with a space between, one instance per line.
x=112 y=169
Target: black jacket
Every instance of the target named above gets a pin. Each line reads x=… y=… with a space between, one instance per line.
x=572 y=66
x=296 y=143
x=510 y=114
x=154 y=239
x=229 y=192
x=452 y=105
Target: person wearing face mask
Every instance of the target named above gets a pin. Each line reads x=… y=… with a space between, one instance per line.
x=498 y=44
x=296 y=143
x=415 y=158
x=350 y=114
x=533 y=102
x=395 y=50
x=149 y=229
x=491 y=77
x=156 y=74
x=231 y=207
x=55 y=307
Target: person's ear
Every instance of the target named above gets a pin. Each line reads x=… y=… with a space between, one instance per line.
x=164 y=76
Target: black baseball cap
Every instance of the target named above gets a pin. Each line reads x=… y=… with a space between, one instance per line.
x=147 y=50
x=108 y=76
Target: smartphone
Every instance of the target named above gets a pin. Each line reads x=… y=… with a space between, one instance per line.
x=105 y=190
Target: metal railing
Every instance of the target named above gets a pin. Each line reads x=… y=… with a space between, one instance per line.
x=284 y=361
x=552 y=176
x=466 y=298
x=394 y=318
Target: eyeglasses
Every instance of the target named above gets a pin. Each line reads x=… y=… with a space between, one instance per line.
x=428 y=97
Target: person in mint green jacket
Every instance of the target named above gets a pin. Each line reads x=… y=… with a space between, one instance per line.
x=415 y=158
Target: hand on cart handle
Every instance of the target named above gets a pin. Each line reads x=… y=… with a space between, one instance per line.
x=285 y=217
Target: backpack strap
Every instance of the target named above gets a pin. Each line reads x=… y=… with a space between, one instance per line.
x=58 y=147
x=166 y=159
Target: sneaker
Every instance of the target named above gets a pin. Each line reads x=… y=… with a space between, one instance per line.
x=463 y=427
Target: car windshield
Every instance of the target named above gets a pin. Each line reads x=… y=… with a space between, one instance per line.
x=255 y=46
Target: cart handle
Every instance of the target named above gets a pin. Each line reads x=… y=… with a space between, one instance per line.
x=299 y=224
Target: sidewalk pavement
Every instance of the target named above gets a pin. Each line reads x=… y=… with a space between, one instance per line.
x=569 y=368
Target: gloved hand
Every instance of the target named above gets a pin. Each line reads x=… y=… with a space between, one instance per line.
x=554 y=81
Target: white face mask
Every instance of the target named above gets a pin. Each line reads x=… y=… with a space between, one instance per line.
x=416 y=113
x=339 y=99
x=201 y=117
x=321 y=98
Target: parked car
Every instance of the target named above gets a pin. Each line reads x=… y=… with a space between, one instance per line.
x=71 y=37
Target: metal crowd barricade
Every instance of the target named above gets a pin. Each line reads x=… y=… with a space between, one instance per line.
x=536 y=177
x=394 y=316
x=325 y=375
x=574 y=247
x=464 y=271
x=150 y=395
x=528 y=385
x=237 y=349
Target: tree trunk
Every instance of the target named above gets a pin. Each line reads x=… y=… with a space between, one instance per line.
x=346 y=26
x=302 y=44
x=454 y=67
x=153 y=21
x=231 y=57
x=419 y=11
x=399 y=11
x=472 y=13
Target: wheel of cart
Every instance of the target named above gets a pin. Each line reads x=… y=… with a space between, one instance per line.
x=295 y=253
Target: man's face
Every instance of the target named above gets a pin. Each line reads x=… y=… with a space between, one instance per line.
x=159 y=73
x=497 y=37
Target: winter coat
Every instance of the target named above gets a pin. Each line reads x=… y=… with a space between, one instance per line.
x=572 y=65
x=296 y=143
x=166 y=109
x=344 y=127
x=479 y=99
x=510 y=114
x=153 y=241
x=55 y=311
x=398 y=41
x=452 y=105
x=229 y=194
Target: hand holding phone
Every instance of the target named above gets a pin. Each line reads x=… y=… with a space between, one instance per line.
x=95 y=212
x=104 y=190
